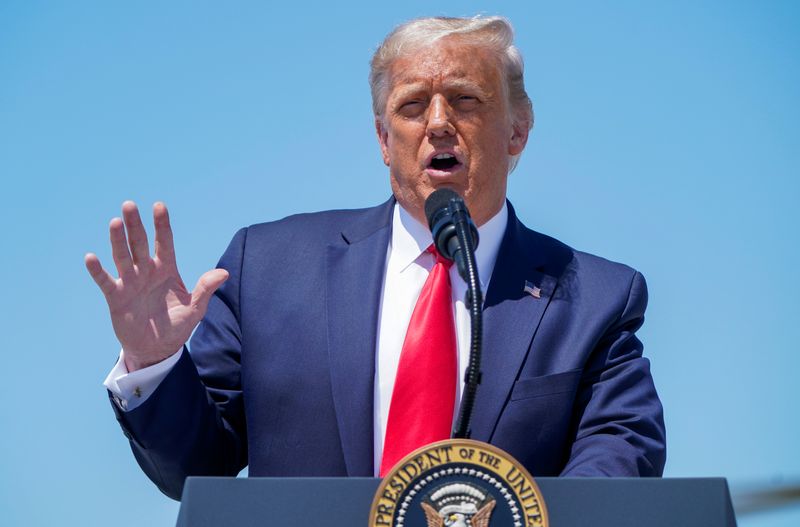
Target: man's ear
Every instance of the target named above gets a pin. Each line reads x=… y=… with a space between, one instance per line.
x=519 y=136
x=383 y=139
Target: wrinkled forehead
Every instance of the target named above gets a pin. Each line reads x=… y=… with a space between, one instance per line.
x=451 y=61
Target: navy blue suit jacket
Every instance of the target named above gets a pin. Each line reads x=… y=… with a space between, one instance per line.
x=281 y=369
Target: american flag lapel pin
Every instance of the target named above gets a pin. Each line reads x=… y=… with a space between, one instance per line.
x=532 y=290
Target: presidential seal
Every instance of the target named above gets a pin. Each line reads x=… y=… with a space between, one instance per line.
x=458 y=483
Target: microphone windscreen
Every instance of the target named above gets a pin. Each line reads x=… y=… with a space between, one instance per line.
x=439 y=199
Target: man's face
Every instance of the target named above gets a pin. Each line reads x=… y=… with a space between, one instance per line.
x=447 y=123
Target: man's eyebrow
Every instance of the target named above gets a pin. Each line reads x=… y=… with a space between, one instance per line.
x=463 y=84
x=408 y=89
x=449 y=85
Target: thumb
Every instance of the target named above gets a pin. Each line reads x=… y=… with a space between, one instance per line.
x=204 y=289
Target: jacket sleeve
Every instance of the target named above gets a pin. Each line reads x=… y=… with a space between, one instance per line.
x=194 y=424
x=619 y=427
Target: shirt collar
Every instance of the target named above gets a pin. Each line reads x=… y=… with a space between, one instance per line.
x=410 y=239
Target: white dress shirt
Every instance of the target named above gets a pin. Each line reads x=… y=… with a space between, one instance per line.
x=407 y=267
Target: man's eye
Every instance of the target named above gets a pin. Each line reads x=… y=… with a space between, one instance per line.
x=411 y=108
x=465 y=102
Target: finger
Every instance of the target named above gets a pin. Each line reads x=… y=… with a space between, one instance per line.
x=137 y=236
x=119 y=248
x=206 y=285
x=165 y=249
x=101 y=277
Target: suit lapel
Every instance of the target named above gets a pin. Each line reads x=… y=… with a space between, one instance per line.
x=355 y=267
x=511 y=318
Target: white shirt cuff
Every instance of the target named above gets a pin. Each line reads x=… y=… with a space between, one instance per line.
x=129 y=390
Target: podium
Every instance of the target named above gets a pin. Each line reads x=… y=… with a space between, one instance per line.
x=345 y=502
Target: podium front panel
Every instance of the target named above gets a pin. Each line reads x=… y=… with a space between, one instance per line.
x=345 y=502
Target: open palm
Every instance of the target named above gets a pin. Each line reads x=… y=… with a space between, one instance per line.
x=152 y=312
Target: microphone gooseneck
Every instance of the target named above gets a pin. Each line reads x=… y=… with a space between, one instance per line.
x=456 y=237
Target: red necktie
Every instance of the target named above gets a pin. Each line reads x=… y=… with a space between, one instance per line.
x=424 y=394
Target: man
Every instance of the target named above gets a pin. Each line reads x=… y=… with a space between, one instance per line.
x=299 y=357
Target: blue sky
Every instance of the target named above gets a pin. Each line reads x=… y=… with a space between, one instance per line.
x=666 y=137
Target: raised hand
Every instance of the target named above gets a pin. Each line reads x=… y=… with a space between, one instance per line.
x=152 y=312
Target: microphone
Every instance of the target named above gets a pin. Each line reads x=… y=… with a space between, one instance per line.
x=455 y=237
x=447 y=214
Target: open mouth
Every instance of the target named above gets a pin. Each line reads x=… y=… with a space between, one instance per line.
x=444 y=162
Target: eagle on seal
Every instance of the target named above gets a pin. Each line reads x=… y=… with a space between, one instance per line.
x=459 y=519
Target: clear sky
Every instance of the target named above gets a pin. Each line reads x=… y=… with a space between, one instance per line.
x=666 y=137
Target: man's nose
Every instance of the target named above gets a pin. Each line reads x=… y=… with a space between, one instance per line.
x=439 y=118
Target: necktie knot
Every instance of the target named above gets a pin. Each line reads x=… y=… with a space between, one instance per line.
x=439 y=258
